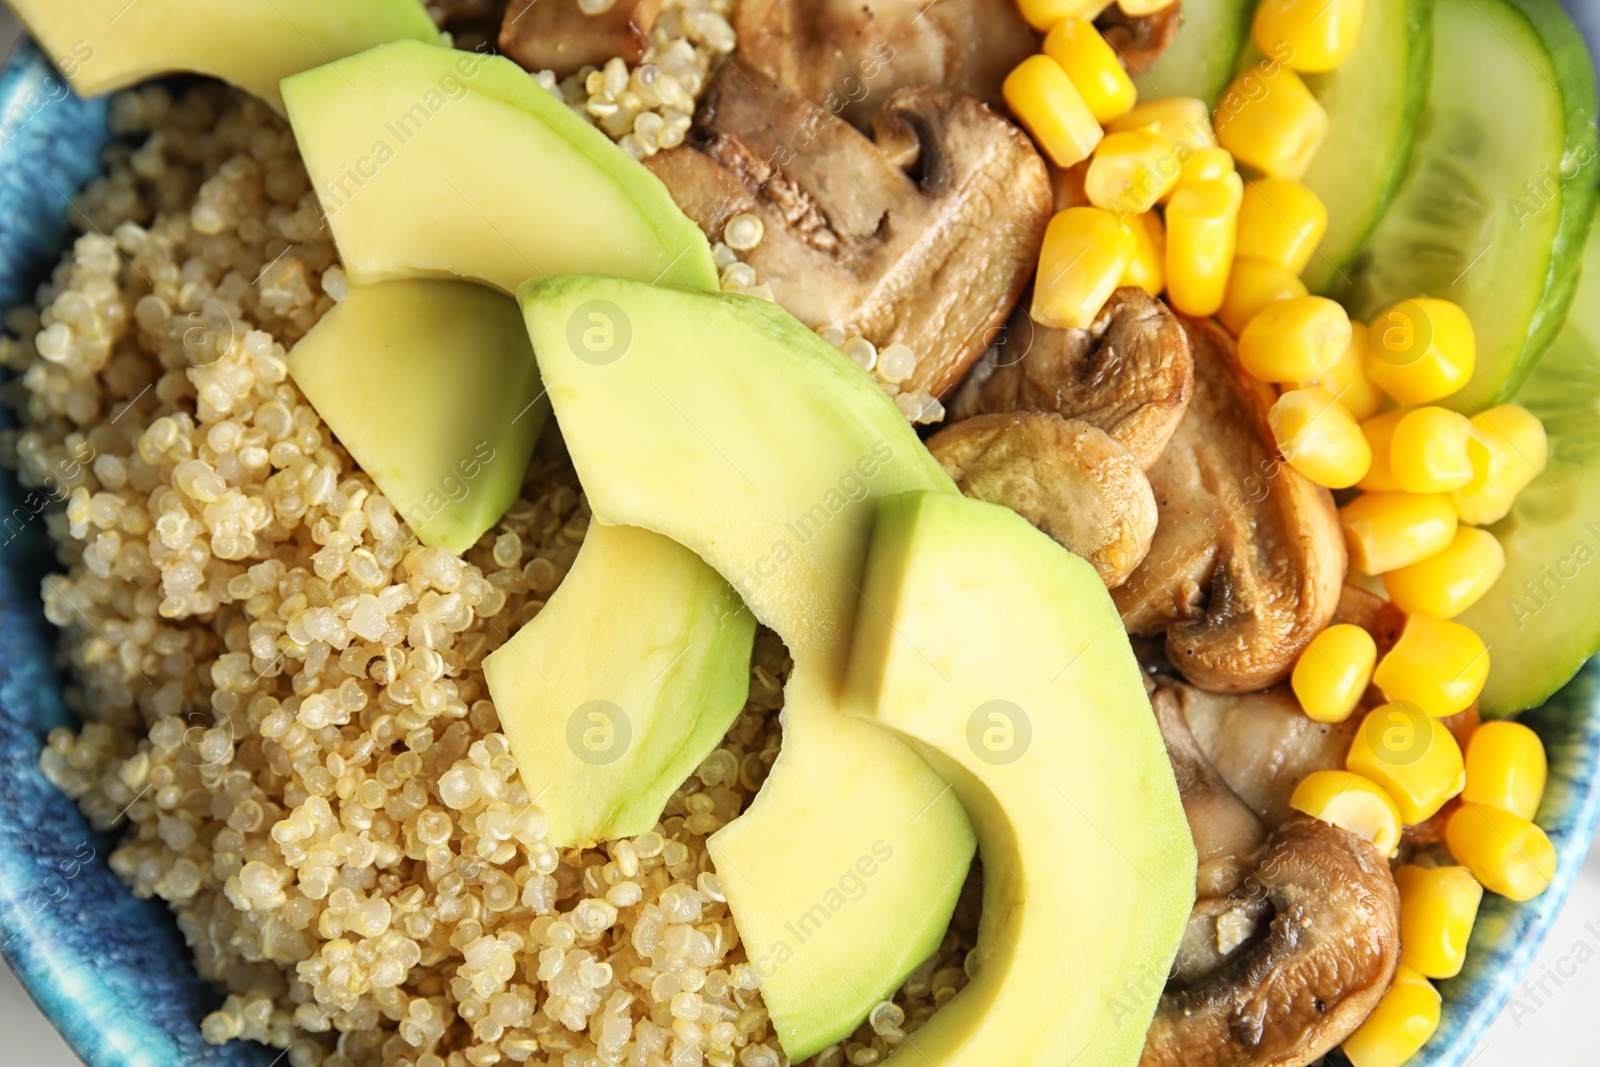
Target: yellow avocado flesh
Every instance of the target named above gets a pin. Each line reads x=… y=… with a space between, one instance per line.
x=1000 y=657
x=433 y=388
x=430 y=161
x=721 y=422
x=609 y=708
x=101 y=45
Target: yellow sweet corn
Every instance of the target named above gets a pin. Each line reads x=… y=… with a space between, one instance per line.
x=1350 y=802
x=1295 y=339
x=1043 y=14
x=1202 y=218
x=1140 y=8
x=1252 y=285
x=1333 y=672
x=1092 y=65
x=1388 y=530
x=1412 y=755
x=1148 y=267
x=1312 y=36
x=1401 y=1024
x=1438 y=665
x=1438 y=907
x=1183 y=120
x=1202 y=165
x=1044 y=100
x=1130 y=171
x=1508 y=450
x=1428 y=451
x=1269 y=120
x=1281 y=221
x=1347 y=379
x=1507 y=853
x=1422 y=350
x=1453 y=579
x=1380 y=432
x=1085 y=252
x=1317 y=437
x=1506 y=768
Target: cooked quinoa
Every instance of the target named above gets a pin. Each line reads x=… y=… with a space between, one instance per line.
x=281 y=690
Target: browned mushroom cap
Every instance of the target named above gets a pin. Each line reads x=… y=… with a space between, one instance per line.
x=1248 y=558
x=924 y=235
x=1139 y=40
x=1325 y=959
x=1130 y=373
x=1262 y=744
x=850 y=55
x=557 y=35
x=1066 y=477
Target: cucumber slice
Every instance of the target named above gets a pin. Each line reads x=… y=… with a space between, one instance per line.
x=1201 y=58
x=1539 y=620
x=1373 y=103
x=1495 y=134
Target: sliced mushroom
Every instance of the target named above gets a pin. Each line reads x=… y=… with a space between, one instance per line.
x=1130 y=373
x=850 y=55
x=1373 y=614
x=1139 y=39
x=1066 y=477
x=1325 y=958
x=1248 y=558
x=1262 y=744
x=560 y=36
x=924 y=235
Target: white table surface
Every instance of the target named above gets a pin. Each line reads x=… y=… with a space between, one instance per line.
x=1539 y=1027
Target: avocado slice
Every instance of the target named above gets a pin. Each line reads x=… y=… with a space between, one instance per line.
x=1001 y=658
x=430 y=161
x=728 y=426
x=433 y=388
x=102 y=45
x=607 y=707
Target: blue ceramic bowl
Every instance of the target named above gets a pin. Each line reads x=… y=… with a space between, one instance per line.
x=112 y=973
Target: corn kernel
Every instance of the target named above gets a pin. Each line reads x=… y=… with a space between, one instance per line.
x=1411 y=754
x=1438 y=906
x=1141 y=8
x=1317 y=437
x=1043 y=14
x=1044 y=100
x=1380 y=433
x=1438 y=665
x=1130 y=171
x=1183 y=120
x=1203 y=165
x=1269 y=120
x=1281 y=221
x=1353 y=803
x=1506 y=768
x=1333 y=672
x=1294 y=339
x=1452 y=580
x=1347 y=379
x=1508 y=449
x=1312 y=36
x=1388 y=530
x=1252 y=285
x=1148 y=268
x=1422 y=350
x=1401 y=1024
x=1428 y=451
x=1507 y=853
x=1201 y=221
x=1084 y=255
x=1092 y=65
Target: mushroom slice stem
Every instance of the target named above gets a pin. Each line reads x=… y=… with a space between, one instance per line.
x=923 y=235
x=1066 y=477
x=1130 y=373
x=1248 y=558
x=1140 y=40
x=558 y=35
